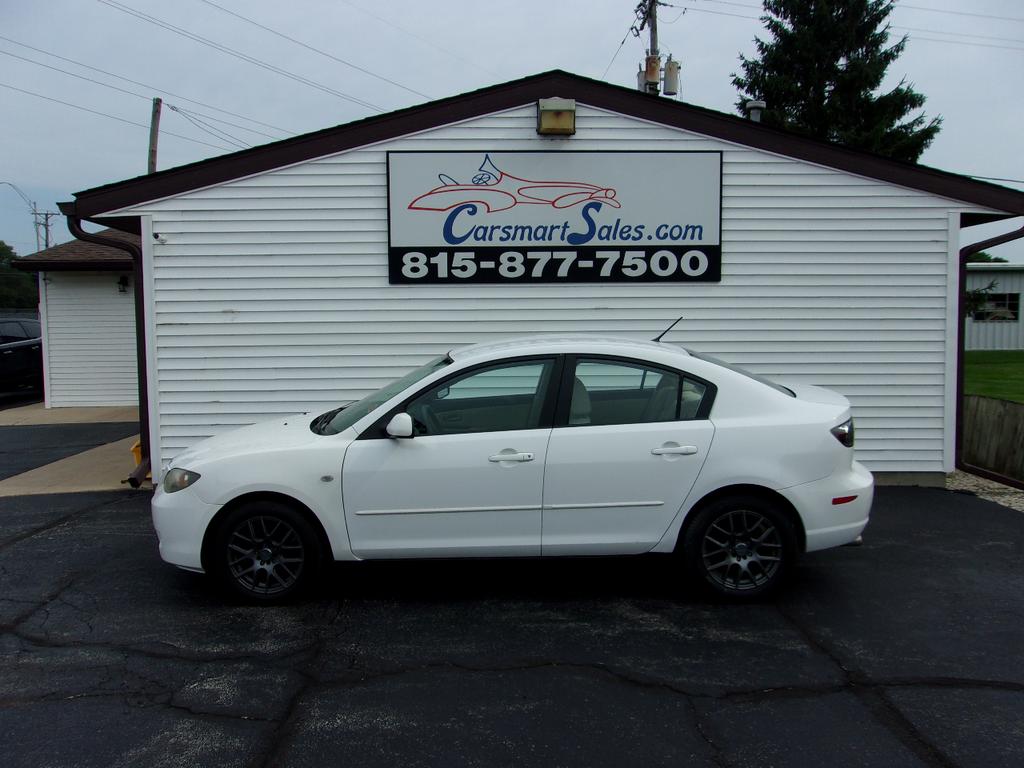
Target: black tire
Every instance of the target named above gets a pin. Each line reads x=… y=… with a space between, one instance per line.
x=740 y=547
x=265 y=552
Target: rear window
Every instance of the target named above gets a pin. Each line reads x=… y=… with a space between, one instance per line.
x=11 y=331
x=742 y=372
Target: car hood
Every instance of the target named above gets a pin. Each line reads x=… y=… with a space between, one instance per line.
x=813 y=394
x=273 y=435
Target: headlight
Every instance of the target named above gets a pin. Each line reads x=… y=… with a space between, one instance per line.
x=179 y=479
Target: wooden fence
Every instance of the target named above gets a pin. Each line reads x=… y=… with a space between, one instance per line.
x=993 y=437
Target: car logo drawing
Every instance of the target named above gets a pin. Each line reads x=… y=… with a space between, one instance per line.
x=497 y=190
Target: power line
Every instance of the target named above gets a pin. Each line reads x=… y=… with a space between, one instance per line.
x=910 y=29
x=233 y=125
x=958 y=32
x=238 y=54
x=315 y=50
x=148 y=87
x=72 y=74
x=966 y=42
x=421 y=38
x=210 y=129
x=757 y=6
x=677 y=18
x=716 y=13
x=130 y=93
x=111 y=117
x=616 y=54
x=960 y=13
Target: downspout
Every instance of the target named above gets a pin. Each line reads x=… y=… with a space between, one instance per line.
x=136 y=478
x=970 y=250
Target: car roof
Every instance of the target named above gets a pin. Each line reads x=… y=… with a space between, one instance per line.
x=564 y=343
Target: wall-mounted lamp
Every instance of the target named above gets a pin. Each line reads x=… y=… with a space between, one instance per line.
x=122 y=284
x=556 y=117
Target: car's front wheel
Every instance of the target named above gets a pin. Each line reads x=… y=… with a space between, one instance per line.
x=265 y=551
x=740 y=546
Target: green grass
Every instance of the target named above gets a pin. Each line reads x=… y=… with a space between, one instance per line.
x=995 y=374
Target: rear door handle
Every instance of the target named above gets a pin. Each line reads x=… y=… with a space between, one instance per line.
x=685 y=450
x=511 y=456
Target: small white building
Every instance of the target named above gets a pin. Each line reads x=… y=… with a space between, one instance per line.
x=307 y=272
x=994 y=322
x=86 y=309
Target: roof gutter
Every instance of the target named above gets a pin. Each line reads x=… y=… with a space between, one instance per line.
x=965 y=252
x=136 y=478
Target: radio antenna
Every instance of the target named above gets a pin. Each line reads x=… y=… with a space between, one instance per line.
x=658 y=337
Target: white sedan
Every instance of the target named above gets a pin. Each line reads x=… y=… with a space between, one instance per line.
x=529 y=447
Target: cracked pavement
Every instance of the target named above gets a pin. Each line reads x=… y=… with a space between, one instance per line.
x=903 y=652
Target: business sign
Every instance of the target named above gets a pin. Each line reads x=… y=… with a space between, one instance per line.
x=554 y=217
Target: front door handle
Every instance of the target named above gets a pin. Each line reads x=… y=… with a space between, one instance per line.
x=685 y=450
x=511 y=456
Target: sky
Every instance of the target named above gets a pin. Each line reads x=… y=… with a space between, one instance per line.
x=228 y=82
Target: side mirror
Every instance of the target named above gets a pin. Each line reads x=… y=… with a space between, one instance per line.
x=400 y=425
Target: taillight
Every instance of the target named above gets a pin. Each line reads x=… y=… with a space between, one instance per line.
x=844 y=433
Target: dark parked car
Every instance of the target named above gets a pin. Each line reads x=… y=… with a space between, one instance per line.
x=21 y=353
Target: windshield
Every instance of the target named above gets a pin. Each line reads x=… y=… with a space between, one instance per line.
x=333 y=422
x=742 y=372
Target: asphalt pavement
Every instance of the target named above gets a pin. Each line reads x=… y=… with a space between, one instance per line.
x=903 y=652
x=27 y=447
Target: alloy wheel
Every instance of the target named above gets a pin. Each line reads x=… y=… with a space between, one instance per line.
x=741 y=550
x=265 y=555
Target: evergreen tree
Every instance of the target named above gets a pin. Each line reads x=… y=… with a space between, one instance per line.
x=821 y=71
x=17 y=289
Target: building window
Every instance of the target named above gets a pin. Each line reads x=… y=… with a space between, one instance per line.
x=998 y=308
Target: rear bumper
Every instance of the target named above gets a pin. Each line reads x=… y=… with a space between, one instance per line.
x=832 y=525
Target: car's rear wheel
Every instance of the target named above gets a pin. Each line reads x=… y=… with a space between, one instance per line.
x=265 y=552
x=740 y=546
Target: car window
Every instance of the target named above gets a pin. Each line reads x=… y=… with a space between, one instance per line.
x=493 y=399
x=333 y=422
x=11 y=331
x=610 y=392
x=32 y=329
x=742 y=372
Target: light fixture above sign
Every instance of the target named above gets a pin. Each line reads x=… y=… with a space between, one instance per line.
x=554 y=216
x=556 y=117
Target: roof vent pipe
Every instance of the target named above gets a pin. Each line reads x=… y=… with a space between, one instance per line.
x=754 y=109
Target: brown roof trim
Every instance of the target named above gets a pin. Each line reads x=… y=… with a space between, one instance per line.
x=124 y=265
x=627 y=101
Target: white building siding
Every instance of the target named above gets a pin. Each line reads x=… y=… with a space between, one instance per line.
x=271 y=294
x=89 y=342
x=989 y=335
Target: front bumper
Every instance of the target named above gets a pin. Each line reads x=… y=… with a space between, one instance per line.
x=181 y=519
x=832 y=525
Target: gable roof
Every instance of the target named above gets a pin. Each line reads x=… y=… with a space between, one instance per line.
x=224 y=168
x=81 y=255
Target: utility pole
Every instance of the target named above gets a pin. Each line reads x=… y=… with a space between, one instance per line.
x=647 y=10
x=652 y=23
x=45 y=216
x=154 y=133
x=40 y=219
